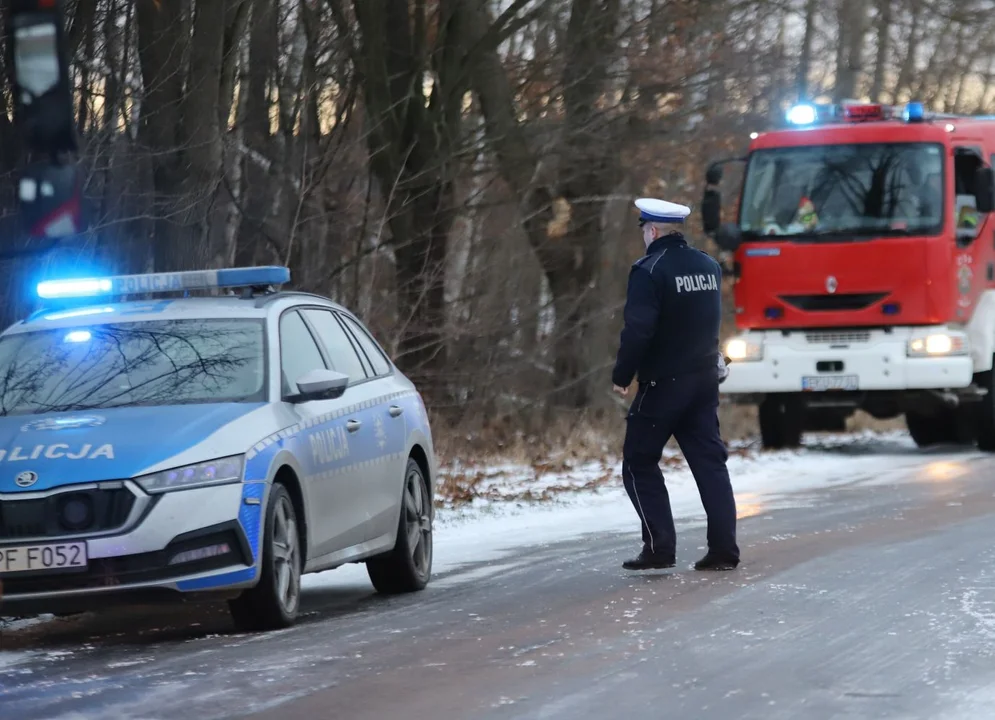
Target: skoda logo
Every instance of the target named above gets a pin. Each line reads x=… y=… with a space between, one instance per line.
x=26 y=479
x=831 y=284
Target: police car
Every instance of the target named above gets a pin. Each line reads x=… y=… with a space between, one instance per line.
x=215 y=446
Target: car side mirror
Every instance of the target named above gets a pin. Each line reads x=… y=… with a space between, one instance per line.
x=984 y=193
x=320 y=384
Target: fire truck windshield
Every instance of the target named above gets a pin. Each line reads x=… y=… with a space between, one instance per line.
x=835 y=191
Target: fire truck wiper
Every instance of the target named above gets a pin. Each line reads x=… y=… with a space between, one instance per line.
x=863 y=233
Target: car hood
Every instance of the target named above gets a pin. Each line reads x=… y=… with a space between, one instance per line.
x=40 y=452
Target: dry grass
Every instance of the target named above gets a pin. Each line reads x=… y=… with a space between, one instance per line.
x=461 y=488
x=469 y=481
x=583 y=437
x=568 y=437
x=740 y=422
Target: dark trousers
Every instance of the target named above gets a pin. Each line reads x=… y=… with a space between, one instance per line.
x=685 y=407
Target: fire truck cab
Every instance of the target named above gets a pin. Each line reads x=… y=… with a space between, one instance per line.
x=863 y=257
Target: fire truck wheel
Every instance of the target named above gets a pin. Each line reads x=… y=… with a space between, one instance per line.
x=986 y=413
x=954 y=427
x=780 y=423
x=925 y=430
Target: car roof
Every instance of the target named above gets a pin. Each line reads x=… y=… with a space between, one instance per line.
x=187 y=308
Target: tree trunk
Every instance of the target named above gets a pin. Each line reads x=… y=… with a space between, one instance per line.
x=420 y=278
x=883 y=49
x=411 y=144
x=850 y=52
x=908 y=68
x=181 y=56
x=162 y=47
x=201 y=243
x=586 y=170
x=805 y=57
x=257 y=195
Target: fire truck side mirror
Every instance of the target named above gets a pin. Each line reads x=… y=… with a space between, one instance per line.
x=711 y=211
x=42 y=90
x=984 y=189
x=728 y=237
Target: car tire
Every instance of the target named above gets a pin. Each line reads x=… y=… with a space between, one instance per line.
x=986 y=413
x=408 y=566
x=275 y=600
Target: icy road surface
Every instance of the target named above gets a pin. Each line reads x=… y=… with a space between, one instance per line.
x=867 y=591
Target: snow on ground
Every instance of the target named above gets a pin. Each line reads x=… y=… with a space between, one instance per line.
x=487 y=513
x=517 y=506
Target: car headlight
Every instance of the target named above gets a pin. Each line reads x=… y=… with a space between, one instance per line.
x=941 y=344
x=212 y=472
x=744 y=349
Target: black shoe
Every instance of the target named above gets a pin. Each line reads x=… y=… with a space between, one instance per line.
x=647 y=560
x=716 y=562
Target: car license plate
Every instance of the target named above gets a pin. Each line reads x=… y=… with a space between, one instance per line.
x=35 y=558
x=823 y=383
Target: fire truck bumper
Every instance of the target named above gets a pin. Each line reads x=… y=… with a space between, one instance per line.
x=899 y=358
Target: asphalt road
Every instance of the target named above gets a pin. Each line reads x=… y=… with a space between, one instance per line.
x=866 y=601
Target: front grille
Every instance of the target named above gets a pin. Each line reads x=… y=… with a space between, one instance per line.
x=838 y=337
x=143 y=568
x=68 y=513
x=829 y=303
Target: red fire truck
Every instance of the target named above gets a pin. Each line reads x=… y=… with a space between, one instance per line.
x=863 y=257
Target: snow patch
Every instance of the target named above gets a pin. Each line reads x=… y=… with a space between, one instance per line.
x=488 y=514
x=14 y=624
x=570 y=499
x=10 y=659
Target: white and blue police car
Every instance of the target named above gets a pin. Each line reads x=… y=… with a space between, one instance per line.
x=157 y=442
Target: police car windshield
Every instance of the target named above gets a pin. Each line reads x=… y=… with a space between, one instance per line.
x=163 y=362
x=827 y=191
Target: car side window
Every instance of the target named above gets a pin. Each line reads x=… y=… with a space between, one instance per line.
x=299 y=353
x=340 y=348
x=380 y=365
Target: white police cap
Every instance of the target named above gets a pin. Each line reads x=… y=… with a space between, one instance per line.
x=661 y=211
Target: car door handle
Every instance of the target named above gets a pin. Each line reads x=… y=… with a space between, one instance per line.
x=395 y=410
x=353 y=425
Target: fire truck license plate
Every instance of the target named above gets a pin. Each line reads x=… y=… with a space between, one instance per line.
x=31 y=558
x=822 y=383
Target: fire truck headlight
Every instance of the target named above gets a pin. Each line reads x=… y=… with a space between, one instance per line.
x=942 y=344
x=744 y=350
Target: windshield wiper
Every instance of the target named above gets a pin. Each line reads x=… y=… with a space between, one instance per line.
x=866 y=232
x=833 y=233
x=852 y=233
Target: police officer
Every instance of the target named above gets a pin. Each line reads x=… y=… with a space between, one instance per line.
x=671 y=340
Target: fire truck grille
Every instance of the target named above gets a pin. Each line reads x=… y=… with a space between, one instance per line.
x=838 y=337
x=830 y=303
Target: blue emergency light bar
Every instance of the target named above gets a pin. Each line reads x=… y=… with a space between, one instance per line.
x=807 y=114
x=164 y=282
x=802 y=115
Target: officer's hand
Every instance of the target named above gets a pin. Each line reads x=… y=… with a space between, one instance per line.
x=620 y=390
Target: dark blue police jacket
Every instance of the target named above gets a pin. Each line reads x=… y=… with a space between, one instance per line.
x=673 y=308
